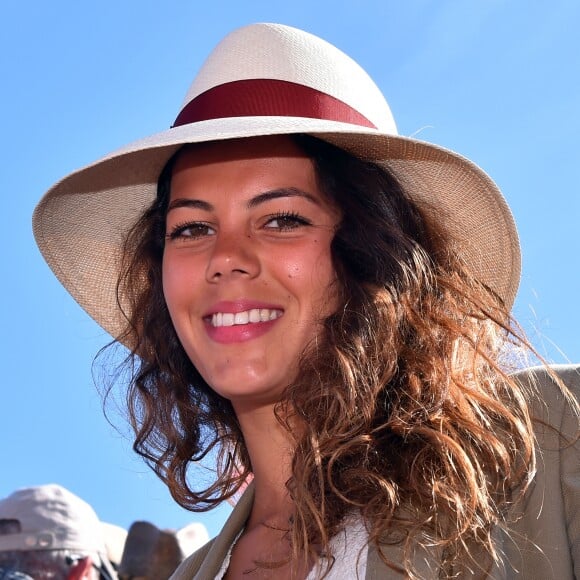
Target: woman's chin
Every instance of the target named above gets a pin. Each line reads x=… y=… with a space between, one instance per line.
x=248 y=394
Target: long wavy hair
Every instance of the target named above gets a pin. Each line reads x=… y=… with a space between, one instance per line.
x=409 y=414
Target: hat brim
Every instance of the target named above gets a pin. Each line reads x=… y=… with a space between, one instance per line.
x=81 y=222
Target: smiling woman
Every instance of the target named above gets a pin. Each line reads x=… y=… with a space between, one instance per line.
x=323 y=306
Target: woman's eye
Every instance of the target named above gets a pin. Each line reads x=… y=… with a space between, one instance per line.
x=286 y=221
x=191 y=231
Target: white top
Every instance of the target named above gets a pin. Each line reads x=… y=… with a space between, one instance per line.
x=349 y=549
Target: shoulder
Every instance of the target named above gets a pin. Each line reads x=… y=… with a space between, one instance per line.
x=542 y=376
x=554 y=413
x=544 y=529
x=548 y=403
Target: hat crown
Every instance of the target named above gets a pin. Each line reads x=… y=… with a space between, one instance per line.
x=282 y=53
x=50 y=517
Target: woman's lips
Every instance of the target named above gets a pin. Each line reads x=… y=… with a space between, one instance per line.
x=229 y=322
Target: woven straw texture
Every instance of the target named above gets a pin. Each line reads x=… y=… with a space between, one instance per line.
x=81 y=221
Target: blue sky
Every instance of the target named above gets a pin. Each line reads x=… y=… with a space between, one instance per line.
x=495 y=80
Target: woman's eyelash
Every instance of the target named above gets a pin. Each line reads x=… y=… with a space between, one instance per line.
x=196 y=229
x=289 y=220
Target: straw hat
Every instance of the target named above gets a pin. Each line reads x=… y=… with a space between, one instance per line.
x=267 y=79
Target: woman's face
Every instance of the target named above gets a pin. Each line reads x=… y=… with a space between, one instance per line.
x=247 y=268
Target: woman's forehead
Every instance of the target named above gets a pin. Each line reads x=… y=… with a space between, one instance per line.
x=279 y=146
x=244 y=166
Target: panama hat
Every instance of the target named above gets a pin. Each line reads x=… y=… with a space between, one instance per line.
x=269 y=79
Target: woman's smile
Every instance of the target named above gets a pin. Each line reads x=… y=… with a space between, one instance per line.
x=247 y=268
x=230 y=322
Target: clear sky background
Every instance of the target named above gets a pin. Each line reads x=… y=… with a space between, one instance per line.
x=496 y=80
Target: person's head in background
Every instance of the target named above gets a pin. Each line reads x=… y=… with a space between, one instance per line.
x=49 y=533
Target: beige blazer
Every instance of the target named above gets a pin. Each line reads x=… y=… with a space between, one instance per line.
x=544 y=539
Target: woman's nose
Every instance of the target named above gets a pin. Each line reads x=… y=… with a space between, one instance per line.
x=233 y=254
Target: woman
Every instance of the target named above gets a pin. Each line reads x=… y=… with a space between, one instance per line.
x=321 y=306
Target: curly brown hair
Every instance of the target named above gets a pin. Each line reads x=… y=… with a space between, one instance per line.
x=434 y=436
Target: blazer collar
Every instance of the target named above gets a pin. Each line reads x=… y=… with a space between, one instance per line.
x=222 y=543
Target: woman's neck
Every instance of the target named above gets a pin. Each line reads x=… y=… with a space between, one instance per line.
x=270 y=447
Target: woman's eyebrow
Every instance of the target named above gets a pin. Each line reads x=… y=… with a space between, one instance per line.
x=191 y=203
x=278 y=193
x=253 y=202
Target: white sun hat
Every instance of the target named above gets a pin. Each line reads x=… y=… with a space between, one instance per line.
x=269 y=79
x=51 y=518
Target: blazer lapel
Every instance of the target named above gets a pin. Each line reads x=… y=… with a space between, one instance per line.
x=222 y=543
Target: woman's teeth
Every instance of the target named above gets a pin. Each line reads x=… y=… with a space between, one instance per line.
x=246 y=317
